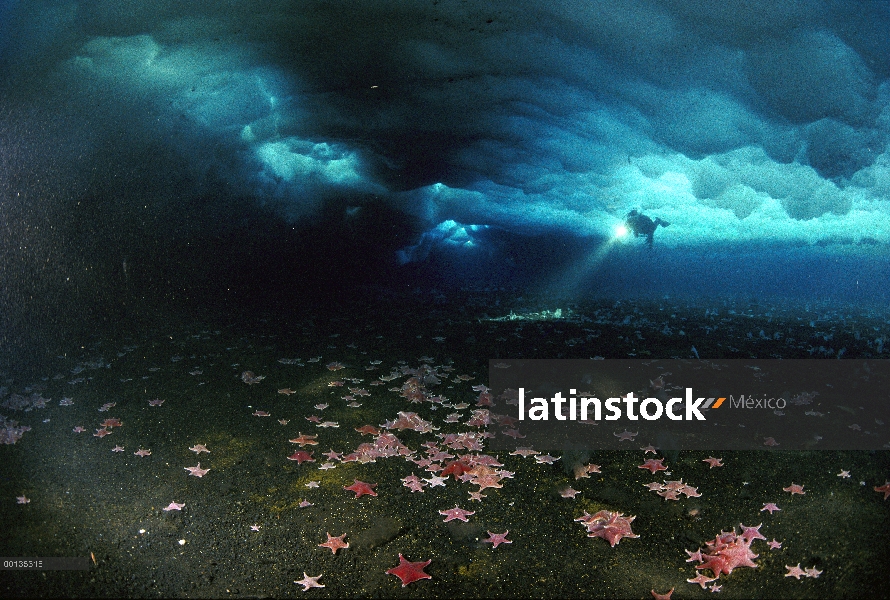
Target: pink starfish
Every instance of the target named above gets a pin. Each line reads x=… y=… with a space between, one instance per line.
x=410 y=572
x=309 y=582
x=626 y=435
x=795 y=572
x=497 y=539
x=456 y=513
x=197 y=471
x=361 y=488
x=546 y=459
x=751 y=533
x=653 y=465
x=334 y=543
x=702 y=580
x=608 y=525
x=569 y=493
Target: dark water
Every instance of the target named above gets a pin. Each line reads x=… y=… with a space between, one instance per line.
x=86 y=500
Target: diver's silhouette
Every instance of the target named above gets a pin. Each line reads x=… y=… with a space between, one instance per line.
x=641 y=225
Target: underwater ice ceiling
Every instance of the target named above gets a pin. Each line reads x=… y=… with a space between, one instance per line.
x=756 y=122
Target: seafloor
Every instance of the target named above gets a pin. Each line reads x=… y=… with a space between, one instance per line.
x=86 y=500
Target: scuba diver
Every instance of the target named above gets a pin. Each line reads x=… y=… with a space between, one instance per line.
x=641 y=225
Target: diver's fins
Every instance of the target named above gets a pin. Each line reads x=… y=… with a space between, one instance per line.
x=661 y=222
